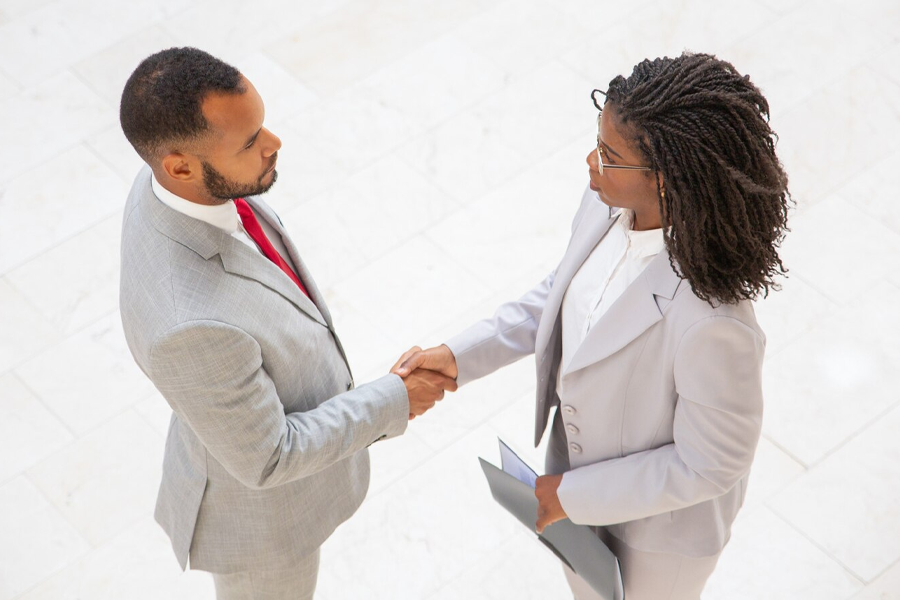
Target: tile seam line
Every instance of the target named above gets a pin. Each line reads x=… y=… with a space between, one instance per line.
x=321 y=94
x=59 y=243
x=819 y=547
x=41 y=402
x=15 y=367
x=876 y=577
x=895 y=405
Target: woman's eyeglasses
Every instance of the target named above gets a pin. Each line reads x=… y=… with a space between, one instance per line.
x=600 y=151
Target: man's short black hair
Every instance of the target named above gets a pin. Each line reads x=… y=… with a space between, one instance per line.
x=161 y=102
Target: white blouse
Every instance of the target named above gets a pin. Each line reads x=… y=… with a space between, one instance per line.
x=611 y=267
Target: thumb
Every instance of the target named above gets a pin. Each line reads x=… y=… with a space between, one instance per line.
x=417 y=360
x=396 y=368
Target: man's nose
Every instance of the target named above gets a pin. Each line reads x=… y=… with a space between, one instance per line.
x=274 y=144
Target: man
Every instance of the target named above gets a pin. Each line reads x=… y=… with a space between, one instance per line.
x=266 y=452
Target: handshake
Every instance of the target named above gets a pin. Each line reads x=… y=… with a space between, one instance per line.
x=427 y=374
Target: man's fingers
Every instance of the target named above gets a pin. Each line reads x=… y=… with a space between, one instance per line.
x=442 y=381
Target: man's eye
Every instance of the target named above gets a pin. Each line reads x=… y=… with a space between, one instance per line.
x=250 y=145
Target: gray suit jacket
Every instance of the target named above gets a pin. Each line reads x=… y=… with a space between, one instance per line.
x=266 y=450
x=663 y=400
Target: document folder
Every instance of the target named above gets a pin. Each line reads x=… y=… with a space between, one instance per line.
x=575 y=545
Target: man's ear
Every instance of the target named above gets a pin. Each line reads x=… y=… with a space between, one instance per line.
x=178 y=167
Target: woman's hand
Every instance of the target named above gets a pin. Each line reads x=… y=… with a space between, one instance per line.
x=549 y=509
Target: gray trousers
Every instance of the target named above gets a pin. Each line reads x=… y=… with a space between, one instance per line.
x=645 y=575
x=295 y=583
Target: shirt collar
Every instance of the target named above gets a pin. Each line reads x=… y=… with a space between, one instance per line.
x=224 y=216
x=641 y=244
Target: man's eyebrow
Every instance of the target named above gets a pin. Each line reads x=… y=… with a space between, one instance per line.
x=253 y=138
x=608 y=147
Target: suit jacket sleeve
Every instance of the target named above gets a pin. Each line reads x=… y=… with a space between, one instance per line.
x=717 y=423
x=212 y=375
x=510 y=334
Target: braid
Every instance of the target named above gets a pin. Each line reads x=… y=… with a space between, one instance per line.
x=705 y=129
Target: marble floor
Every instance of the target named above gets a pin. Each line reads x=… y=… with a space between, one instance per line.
x=433 y=157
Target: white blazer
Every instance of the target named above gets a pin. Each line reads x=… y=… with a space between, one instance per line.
x=663 y=407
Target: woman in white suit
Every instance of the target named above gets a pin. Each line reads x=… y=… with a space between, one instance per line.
x=644 y=336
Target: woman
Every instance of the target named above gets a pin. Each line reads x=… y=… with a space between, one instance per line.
x=645 y=337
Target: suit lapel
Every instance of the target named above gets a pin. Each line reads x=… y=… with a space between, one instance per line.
x=237 y=258
x=305 y=276
x=240 y=259
x=593 y=228
x=635 y=311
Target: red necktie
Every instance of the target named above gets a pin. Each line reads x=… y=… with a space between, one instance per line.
x=251 y=225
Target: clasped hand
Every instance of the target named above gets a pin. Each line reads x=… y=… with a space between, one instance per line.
x=427 y=374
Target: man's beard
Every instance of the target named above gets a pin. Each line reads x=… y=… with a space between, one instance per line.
x=222 y=188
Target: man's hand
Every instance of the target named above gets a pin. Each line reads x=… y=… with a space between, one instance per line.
x=439 y=359
x=425 y=388
x=549 y=509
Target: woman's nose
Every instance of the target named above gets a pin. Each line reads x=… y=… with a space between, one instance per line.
x=592 y=160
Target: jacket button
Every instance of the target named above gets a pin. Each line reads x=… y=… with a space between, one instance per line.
x=571 y=429
x=575 y=448
x=350 y=385
x=568 y=409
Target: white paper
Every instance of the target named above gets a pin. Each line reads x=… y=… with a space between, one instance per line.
x=620 y=587
x=515 y=466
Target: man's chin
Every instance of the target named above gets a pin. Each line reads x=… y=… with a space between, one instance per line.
x=265 y=187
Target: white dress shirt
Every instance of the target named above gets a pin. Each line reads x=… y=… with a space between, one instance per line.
x=611 y=267
x=224 y=216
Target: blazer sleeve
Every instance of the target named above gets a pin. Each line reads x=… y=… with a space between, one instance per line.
x=502 y=339
x=510 y=334
x=717 y=424
x=212 y=375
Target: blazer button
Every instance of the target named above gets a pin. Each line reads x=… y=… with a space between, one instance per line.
x=568 y=409
x=571 y=429
x=575 y=448
x=350 y=385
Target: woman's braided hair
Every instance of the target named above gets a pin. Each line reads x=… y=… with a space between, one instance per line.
x=705 y=128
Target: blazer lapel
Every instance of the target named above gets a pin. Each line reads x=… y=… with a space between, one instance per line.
x=635 y=311
x=305 y=276
x=593 y=229
x=237 y=258
x=240 y=259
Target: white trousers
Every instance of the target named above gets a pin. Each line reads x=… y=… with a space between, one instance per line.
x=650 y=575
x=295 y=583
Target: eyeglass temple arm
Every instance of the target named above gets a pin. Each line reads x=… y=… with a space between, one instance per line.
x=628 y=167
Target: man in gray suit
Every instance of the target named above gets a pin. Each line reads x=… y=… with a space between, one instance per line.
x=266 y=451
